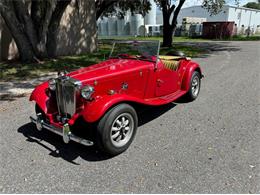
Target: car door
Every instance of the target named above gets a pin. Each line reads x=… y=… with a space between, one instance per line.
x=167 y=80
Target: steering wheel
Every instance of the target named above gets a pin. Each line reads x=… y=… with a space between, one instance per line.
x=123 y=55
x=144 y=56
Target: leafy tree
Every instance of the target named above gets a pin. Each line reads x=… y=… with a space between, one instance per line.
x=103 y=6
x=253 y=5
x=169 y=8
x=213 y=7
x=120 y=7
x=34 y=30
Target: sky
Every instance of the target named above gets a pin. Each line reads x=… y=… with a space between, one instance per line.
x=189 y=3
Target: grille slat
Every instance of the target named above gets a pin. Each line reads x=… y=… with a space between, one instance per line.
x=66 y=89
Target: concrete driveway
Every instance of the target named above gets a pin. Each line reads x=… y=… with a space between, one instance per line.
x=211 y=145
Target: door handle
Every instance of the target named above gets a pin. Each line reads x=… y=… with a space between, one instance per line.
x=159 y=82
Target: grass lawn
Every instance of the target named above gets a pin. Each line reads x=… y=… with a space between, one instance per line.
x=245 y=38
x=18 y=71
x=184 y=39
x=175 y=39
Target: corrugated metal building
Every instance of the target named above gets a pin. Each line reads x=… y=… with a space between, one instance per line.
x=241 y=16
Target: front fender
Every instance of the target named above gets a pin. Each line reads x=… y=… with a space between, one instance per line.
x=39 y=95
x=94 y=110
x=190 y=68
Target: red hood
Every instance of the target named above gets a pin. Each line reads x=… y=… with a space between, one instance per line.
x=110 y=67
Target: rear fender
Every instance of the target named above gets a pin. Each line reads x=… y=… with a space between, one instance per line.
x=190 y=68
x=94 y=110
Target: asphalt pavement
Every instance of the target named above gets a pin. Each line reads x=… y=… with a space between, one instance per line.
x=211 y=145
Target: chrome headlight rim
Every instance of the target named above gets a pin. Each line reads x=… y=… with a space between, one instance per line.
x=87 y=91
x=52 y=84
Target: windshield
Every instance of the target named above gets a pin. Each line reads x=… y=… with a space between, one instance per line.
x=145 y=50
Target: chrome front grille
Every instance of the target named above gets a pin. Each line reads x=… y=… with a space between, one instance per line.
x=66 y=92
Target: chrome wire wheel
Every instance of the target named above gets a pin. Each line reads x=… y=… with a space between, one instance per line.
x=195 y=86
x=122 y=129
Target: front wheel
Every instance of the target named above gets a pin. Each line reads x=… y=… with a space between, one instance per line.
x=38 y=110
x=194 y=88
x=116 y=129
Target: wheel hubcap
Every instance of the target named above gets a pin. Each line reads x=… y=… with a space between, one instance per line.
x=122 y=129
x=195 y=85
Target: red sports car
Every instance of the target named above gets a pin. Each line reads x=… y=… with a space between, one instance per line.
x=107 y=94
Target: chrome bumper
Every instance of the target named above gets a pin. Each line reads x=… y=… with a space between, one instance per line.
x=64 y=132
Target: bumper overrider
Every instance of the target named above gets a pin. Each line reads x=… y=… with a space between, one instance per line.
x=64 y=131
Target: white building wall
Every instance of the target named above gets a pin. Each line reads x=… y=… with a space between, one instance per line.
x=133 y=24
x=244 y=17
x=199 y=12
x=229 y=13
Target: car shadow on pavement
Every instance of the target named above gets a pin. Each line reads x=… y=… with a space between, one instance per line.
x=150 y=113
x=70 y=152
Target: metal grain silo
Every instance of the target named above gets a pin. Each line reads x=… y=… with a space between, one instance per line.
x=150 y=18
x=112 y=26
x=104 y=27
x=135 y=24
x=121 y=27
x=99 y=27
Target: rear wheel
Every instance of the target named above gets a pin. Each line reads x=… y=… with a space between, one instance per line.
x=194 y=89
x=116 y=129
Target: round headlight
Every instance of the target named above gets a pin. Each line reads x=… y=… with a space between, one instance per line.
x=87 y=91
x=62 y=73
x=52 y=84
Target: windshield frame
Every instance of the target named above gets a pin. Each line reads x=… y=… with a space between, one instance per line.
x=144 y=41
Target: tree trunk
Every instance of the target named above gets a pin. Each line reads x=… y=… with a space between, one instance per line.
x=25 y=20
x=35 y=32
x=54 y=26
x=26 y=51
x=44 y=26
x=169 y=28
x=167 y=35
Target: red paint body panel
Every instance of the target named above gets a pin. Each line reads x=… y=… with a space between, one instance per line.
x=167 y=81
x=187 y=73
x=145 y=85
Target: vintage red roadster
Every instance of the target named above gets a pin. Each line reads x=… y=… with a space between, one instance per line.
x=107 y=94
